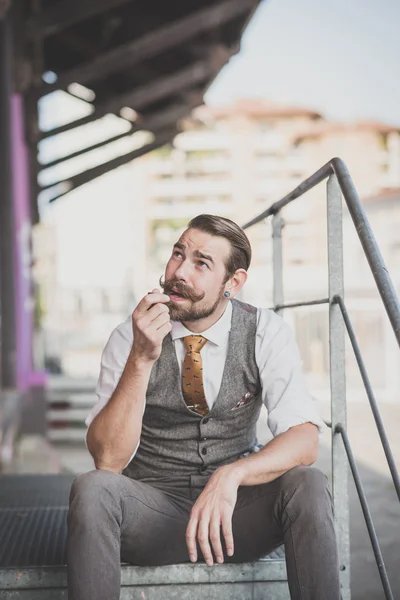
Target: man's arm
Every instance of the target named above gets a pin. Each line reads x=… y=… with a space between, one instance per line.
x=115 y=432
x=294 y=421
x=214 y=507
x=298 y=446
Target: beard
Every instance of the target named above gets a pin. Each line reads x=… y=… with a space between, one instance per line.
x=189 y=313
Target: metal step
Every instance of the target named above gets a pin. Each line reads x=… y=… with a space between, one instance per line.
x=261 y=580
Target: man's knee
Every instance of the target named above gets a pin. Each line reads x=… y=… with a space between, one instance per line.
x=94 y=492
x=305 y=478
x=307 y=489
x=94 y=482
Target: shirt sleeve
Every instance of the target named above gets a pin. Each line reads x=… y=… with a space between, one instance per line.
x=284 y=391
x=113 y=361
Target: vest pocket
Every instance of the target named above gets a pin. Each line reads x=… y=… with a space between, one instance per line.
x=245 y=416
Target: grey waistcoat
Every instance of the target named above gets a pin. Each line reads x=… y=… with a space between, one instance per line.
x=178 y=441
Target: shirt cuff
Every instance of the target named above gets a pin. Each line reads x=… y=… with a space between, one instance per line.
x=278 y=427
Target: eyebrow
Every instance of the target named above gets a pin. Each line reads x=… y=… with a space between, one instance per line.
x=179 y=245
x=199 y=254
x=196 y=253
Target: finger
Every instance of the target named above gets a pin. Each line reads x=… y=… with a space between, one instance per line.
x=191 y=531
x=151 y=299
x=227 y=533
x=215 y=537
x=144 y=321
x=158 y=322
x=164 y=329
x=155 y=311
x=203 y=531
x=155 y=298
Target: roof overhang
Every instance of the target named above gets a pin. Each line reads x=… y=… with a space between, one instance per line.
x=154 y=57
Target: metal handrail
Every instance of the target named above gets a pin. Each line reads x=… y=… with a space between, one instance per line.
x=371 y=396
x=364 y=376
x=298 y=304
x=384 y=283
x=365 y=508
x=366 y=512
x=339 y=180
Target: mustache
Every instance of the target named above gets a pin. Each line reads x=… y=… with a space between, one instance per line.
x=181 y=288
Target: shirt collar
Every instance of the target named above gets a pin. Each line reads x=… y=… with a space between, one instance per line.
x=216 y=333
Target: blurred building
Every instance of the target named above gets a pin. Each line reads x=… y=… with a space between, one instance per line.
x=371 y=152
x=235 y=161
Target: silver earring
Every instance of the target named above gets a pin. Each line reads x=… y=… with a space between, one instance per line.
x=227 y=294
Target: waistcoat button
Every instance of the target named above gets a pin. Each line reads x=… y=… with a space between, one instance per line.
x=205 y=421
x=204 y=451
x=203 y=469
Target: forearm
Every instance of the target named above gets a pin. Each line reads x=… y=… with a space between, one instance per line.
x=115 y=432
x=297 y=446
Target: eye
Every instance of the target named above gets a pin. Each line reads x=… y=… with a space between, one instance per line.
x=177 y=253
x=203 y=264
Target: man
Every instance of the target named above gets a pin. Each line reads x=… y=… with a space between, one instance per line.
x=181 y=386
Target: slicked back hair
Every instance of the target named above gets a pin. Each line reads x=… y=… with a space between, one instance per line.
x=240 y=256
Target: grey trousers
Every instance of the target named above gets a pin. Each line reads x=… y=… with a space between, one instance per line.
x=113 y=518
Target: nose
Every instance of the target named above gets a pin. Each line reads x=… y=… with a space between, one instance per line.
x=181 y=272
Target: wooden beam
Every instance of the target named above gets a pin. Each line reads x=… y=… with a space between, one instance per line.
x=77 y=181
x=158 y=121
x=65 y=13
x=152 y=44
x=78 y=153
x=190 y=77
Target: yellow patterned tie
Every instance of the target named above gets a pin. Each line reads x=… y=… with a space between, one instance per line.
x=192 y=374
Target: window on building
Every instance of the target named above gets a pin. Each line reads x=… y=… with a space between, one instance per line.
x=164 y=199
x=167 y=230
x=202 y=154
x=199 y=173
x=163 y=151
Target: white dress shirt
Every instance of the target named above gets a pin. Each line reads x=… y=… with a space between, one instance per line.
x=284 y=391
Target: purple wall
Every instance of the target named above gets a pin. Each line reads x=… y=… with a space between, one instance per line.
x=22 y=246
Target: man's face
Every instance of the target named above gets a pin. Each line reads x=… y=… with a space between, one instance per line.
x=195 y=275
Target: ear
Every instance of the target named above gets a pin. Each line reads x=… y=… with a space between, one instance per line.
x=236 y=282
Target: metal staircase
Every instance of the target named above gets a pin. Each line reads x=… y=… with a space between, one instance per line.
x=340 y=184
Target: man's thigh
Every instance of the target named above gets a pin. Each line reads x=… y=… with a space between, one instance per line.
x=154 y=524
x=265 y=513
x=255 y=523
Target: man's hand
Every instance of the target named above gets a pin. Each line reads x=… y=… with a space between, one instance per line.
x=151 y=323
x=212 y=511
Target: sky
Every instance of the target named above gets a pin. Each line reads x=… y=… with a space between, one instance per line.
x=341 y=57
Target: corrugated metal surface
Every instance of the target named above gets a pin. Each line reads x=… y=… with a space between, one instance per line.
x=34 y=536
x=34 y=491
x=33 y=526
